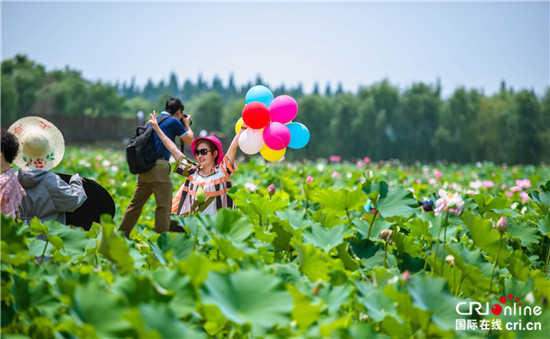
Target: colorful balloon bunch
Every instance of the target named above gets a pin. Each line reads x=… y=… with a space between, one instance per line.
x=271 y=128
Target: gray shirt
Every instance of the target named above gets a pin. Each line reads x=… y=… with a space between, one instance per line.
x=48 y=196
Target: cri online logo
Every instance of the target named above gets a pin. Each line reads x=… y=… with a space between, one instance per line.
x=497 y=309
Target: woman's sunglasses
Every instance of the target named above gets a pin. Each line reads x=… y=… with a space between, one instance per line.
x=203 y=151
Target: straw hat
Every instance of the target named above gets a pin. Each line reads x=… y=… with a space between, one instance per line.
x=41 y=144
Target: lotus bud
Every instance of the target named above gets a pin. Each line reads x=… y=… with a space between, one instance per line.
x=309 y=179
x=271 y=190
x=201 y=196
x=450 y=260
x=386 y=235
x=502 y=225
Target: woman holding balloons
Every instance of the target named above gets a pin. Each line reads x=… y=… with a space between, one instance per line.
x=208 y=181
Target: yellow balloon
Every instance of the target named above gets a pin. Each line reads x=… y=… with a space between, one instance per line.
x=238 y=125
x=271 y=154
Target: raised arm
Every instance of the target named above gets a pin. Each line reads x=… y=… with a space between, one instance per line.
x=169 y=144
x=232 y=150
x=188 y=137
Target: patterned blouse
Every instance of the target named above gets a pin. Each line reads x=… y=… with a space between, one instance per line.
x=215 y=187
x=11 y=193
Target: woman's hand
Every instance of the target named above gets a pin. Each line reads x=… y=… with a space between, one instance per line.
x=153 y=121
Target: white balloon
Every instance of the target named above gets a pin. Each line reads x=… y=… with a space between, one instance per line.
x=251 y=141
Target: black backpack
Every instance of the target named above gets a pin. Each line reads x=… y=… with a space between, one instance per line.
x=140 y=152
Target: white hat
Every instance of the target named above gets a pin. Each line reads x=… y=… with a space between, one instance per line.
x=41 y=144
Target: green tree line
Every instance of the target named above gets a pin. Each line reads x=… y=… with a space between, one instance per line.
x=379 y=121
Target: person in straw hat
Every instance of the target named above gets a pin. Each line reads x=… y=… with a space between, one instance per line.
x=42 y=147
x=11 y=191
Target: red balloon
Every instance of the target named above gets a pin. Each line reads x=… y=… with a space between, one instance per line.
x=256 y=115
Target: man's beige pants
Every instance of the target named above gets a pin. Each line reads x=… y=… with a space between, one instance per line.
x=156 y=181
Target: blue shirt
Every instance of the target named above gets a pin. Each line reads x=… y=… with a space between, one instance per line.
x=172 y=127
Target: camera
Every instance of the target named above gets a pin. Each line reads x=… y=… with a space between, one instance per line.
x=190 y=121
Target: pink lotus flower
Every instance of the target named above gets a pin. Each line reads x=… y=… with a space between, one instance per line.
x=406 y=275
x=250 y=186
x=309 y=179
x=448 y=203
x=523 y=183
x=335 y=174
x=503 y=187
x=366 y=160
x=524 y=197
x=359 y=164
x=418 y=181
x=335 y=158
x=515 y=189
x=472 y=192
x=488 y=184
x=459 y=172
x=509 y=195
x=431 y=181
x=438 y=174
x=475 y=184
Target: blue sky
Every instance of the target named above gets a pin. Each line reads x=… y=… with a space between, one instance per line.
x=475 y=45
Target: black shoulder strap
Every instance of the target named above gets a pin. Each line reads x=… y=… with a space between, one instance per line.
x=162 y=119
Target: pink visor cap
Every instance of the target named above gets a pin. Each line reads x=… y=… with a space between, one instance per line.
x=216 y=142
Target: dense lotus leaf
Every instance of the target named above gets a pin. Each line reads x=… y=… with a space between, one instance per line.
x=75 y=241
x=378 y=225
x=296 y=219
x=542 y=197
x=430 y=294
x=487 y=203
x=257 y=205
x=470 y=263
x=372 y=254
x=544 y=225
x=161 y=294
x=304 y=312
x=176 y=246
x=406 y=244
x=350 y=263
x=314 y=263
x=249 y=297
x=229 y=223
x=340 y=200
x=197 y=268
x=14 y=247
x=139 y=290
x=378 y=305
x=335 y=296
x=326 y=239
x=522 y=231
x=113 y=246
x=95 y=305
x=486 y=237
x=164 y=321
x=326 y=218
x=398 y=202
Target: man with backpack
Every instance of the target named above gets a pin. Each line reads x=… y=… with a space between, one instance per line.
x=157 y=180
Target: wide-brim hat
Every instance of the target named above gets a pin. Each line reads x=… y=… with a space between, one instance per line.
x=41 y=144
x=216 y=142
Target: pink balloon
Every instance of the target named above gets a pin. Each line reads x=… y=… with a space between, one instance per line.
x=276 y=136
x=283 y=109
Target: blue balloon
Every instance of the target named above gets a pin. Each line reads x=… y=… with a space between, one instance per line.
x=299 y=135
x=260 y=94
